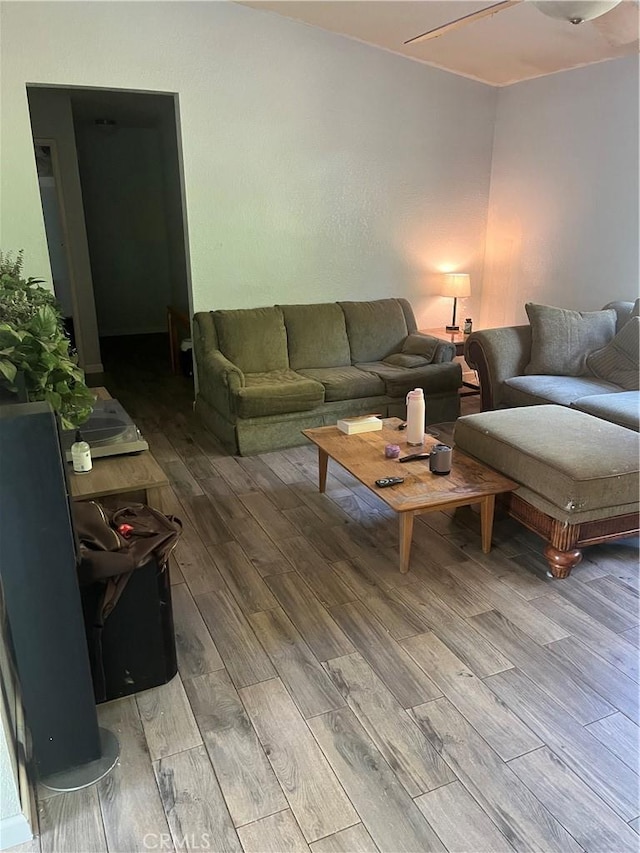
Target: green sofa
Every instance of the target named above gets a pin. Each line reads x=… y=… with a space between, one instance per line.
x=265 y=374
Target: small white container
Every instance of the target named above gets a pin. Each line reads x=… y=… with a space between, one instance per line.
x=415 y=417
x=81 y=455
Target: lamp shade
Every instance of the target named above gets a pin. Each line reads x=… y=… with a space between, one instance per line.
x=456 y=284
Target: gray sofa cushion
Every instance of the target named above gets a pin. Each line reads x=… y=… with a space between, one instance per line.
x=537 y=390
x=345 y=383
x=618 y=362
x=263 y=328
x=276 y=391
x=622 y=408
x=561 y=339
x=375 y=329
x=316 y=335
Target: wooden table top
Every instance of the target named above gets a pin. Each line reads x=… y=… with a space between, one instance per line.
x=363 y=456
x=115 y=475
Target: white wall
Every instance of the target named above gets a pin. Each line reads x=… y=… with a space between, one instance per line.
x=316 y=168
x=563 y=213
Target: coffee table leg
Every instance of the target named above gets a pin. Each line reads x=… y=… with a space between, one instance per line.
x=323 y=461
x=406 y=532
x=487 y=506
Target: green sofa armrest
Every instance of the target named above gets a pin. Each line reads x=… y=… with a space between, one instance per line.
x=230 y=374
x=445 y=352
x=219 y=381
x=435 y=350
x=497 y=355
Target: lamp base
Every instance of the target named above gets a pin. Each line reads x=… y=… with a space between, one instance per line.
x=452 y=328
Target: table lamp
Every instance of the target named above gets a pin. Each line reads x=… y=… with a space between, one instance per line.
x=456 y=285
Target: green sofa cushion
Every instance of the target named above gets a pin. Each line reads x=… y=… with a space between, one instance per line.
x=276 y=391
x=375 y=329
x=618 y=362
x=255 y=339
x=432 y=378
x=317 y=335
x=577 y=463
x=403 y=359
x=561 y=339
x=346 y=383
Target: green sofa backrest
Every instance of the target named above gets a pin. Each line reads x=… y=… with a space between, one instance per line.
x=255 y=339
x=316 y=335
x=377 y=328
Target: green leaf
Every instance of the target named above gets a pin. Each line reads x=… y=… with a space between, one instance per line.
x=53 y=398
x=9 y=337
x=45 y=323
x=8 y=370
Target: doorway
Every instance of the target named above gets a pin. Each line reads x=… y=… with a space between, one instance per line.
x=118 y=241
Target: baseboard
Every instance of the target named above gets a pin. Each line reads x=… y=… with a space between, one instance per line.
x=94 y=368
x=14 y=830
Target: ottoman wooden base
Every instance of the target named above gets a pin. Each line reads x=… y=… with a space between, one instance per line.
x=564 y=542
x=578 y=475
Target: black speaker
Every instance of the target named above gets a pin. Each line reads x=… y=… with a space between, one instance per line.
x=135 y=649
x=39 y=577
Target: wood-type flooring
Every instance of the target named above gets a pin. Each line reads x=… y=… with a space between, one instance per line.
x=327 y=703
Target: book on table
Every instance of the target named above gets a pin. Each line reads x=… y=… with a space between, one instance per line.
x=362 y=423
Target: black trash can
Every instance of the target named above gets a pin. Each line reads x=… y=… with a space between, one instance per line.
x=128 y=615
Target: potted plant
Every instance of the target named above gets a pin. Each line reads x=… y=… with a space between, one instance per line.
x=34 y=348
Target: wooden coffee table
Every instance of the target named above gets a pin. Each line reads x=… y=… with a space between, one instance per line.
x=362 y=455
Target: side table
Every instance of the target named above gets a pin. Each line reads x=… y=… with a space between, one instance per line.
x=120 y=475
x=457 y=339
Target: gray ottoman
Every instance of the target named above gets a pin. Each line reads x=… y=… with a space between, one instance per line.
x=578 y=474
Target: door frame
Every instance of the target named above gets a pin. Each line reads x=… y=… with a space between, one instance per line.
x=43 y=142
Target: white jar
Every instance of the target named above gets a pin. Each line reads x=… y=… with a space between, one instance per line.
x=81 y=455
x=415 y=417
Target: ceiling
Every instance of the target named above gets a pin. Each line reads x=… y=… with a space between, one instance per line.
x=518 y=43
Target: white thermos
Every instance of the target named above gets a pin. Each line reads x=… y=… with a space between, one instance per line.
x=415 y=417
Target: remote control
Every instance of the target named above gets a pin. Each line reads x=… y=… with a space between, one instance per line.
x=389 y=481
x=414 y=456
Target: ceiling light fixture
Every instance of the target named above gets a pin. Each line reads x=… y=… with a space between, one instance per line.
x=575 y=11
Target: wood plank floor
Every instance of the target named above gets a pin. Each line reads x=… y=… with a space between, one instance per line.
x=325 y=702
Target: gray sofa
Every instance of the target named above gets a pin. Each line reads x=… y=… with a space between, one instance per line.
x=265 y=374
x=587 y=361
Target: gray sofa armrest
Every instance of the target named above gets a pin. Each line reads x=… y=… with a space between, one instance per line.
x=497 y=355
